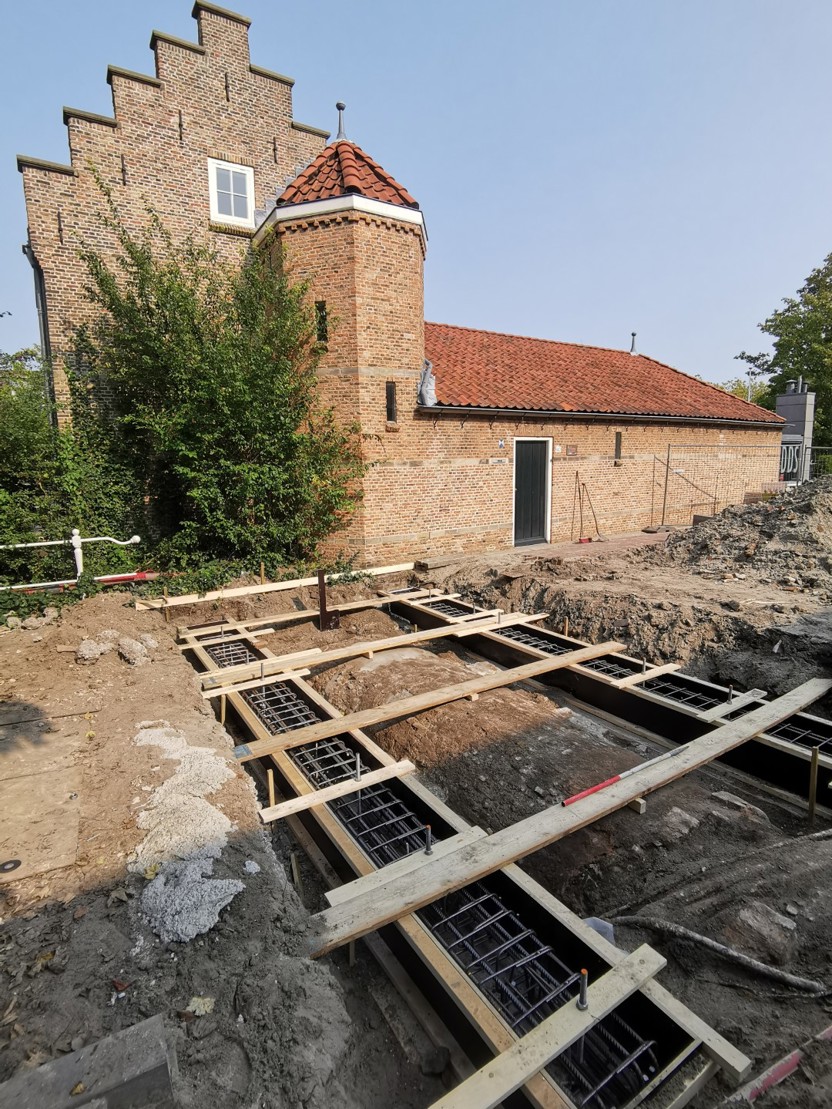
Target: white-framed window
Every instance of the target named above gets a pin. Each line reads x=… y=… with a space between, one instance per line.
x=231 y=191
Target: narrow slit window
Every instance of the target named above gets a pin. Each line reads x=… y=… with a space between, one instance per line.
x=617 y=446
x=392 y=411
x=321 y=323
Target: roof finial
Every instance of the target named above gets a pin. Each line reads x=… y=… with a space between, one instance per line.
x=633 y=343
x=341 y=133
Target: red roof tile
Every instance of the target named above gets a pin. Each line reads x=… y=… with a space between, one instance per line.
x=343 y=168
x=484 y=369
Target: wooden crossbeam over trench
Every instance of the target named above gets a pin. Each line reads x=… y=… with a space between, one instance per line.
x=489 y=1086
x=341 y=924
x=409 y=706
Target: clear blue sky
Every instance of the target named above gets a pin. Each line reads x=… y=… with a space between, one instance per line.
x=586 y=168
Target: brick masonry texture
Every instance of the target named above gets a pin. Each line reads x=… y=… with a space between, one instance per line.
x=206 y=101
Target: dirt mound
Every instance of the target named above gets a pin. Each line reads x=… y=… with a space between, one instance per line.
x=786 y=541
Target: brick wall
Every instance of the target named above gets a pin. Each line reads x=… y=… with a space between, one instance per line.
x=445 y=484
x=205 y=101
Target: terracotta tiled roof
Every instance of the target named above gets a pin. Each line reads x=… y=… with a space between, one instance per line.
x=343 y=168
x=484 y=369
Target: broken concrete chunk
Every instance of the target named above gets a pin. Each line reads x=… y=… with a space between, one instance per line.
x=679 y=823
x=730 y=800
x=763 y=933
x=132 y=651
x=88 y=651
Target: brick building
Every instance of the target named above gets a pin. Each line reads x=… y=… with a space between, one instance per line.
x=476 y=440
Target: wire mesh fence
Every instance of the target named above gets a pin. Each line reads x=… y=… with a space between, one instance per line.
x=703 y=479
x=819 y=462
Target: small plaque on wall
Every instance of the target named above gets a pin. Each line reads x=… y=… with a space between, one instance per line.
x=571 y=451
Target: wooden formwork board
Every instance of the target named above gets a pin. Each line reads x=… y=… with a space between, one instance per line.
x=494 y=1082
x=251 y=590
x=422 y=702
x=357 y=650
x=340 y=789
x=279 y=618
x=344 y=923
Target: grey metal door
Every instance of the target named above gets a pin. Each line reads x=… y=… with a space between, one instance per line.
x=530 y=491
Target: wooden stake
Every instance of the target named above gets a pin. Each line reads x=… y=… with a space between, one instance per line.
x=566 y=625
x=222 y=709
x=293 y=859
x=813 y=784
x=262 y=574
x=165 y=602
x=270 y=781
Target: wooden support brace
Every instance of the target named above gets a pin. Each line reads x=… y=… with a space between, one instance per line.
x=409 y=863
x=248 y=590
x=340 y=789
x=493 y=1083
x=255 y=683
x=738 y=702
x=645 y=676
x=409 y=706
x=287 y=617
x=255 y=633
x=401 y=896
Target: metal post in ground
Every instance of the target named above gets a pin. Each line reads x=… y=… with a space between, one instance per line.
x=666 y=482
x=813 y=783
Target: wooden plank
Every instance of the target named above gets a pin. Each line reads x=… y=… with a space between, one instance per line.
x=489 y=1086
x=340 y=789
x=645 y=675
x=355 y=650
x=735 y=703
x=409 y=706
x=339 y=925
x=255 y=683
x=253 y=634
x=286 y=617
x=410 y=862
x=733 y=1062
x=249 y=590
x=262 y=668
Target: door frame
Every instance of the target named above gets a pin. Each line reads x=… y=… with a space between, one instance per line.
x=548 y=440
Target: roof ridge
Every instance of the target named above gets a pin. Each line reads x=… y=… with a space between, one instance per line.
x=526 y=373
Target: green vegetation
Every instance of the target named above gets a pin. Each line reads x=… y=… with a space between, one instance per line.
x=738 y=387
x=802 y=335
x=195 y=422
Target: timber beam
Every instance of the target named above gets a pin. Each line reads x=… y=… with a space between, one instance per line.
x=489 y=1086
x=339 y=789
x=356 y=650
x=410 y=706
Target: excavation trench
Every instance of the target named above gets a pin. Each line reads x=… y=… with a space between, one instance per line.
x=514 y=953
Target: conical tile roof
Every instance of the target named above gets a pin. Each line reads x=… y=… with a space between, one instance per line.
x=343 y=169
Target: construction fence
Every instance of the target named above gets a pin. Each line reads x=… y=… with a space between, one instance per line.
x=649 y=489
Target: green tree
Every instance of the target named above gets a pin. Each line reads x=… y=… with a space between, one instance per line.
x=198 y=381
x=738 y=387
x=802 y=334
